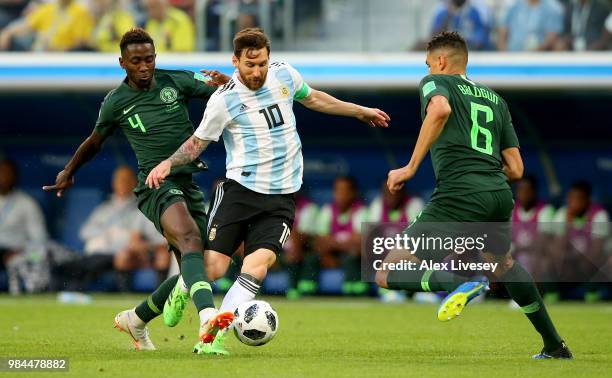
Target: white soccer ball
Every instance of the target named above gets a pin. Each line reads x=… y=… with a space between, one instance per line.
x=255 y=323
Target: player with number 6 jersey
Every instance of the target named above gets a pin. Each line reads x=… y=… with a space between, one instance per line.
x=474 y=152
x=255 y=205
x=467 y=155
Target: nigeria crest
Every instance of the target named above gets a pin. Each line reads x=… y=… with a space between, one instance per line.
x=168 y=95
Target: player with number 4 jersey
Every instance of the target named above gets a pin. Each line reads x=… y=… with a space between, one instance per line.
x=255 y=205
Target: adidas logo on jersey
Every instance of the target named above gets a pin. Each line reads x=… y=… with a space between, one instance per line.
x=243 y=108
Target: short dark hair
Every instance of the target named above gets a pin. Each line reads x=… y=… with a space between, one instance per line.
x=582 y=186
x=452 y=40
x=133 y=36
x=250 y=39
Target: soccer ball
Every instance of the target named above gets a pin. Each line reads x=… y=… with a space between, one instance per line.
x=255 y=323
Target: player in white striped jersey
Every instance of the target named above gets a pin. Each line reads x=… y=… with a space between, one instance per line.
x=255 y=205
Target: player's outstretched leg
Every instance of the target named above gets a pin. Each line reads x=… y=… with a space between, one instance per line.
x=134 y=321
x=523 y=291
x=416 y=280
x=182 y=232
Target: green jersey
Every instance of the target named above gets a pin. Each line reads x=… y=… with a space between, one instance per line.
x=467 y=155
x=155 y=122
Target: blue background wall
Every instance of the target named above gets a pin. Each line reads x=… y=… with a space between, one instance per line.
x=41 y=131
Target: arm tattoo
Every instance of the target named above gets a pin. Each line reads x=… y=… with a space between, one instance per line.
x=189 y=151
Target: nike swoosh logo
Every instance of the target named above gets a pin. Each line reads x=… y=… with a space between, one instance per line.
x=126 y=111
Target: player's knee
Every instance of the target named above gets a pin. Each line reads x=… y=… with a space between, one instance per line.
x=188 y=240
x=504 y=262
x=381 y=278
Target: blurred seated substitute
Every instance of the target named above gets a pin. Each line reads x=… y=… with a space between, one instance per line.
x=113 y=22
x=396 y=211
x=59 y=25
x=339 y=234
x=171 y=28
x=585 y=26
x=582 y=228
x=117 y=237
x=301 y=261
x=21 y=223
x=531 y=25
x=532 y=228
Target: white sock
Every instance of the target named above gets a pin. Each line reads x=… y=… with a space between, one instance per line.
x=244 y=289
x=206 y=313
x=184 y=287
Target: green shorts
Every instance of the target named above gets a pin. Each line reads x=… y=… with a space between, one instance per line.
x=485 y=214
x=180 y=188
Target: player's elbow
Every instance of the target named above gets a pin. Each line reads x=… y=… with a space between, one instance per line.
x=515 y=172
x=440 y=110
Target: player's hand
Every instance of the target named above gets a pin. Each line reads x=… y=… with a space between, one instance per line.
x=63 y=181
x=397 y=178
x=374 y=117
x=217 y=78
x=157 y=176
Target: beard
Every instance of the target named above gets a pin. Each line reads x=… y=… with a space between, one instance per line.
x=253 y=85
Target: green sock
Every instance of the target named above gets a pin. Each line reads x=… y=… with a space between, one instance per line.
x=154 y=304
x=310 y=267
x=523 y=291
x=352 y=268
x=192 y=270
x=423 y=280
x=293 y=271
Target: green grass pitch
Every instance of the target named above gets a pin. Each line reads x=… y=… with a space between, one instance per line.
x=316 y=337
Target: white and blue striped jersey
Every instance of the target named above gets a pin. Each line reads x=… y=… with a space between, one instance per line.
x=263 y=148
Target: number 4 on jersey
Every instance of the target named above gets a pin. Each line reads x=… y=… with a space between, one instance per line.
x=135 y=122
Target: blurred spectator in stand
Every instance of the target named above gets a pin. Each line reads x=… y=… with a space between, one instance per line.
x=187 y=6
x=214 y=9
x=581 y=230
x=531 y=25
x=339 y=234
x=532 y=228
x=117 y=237
x=248 y=11
x=113 y=22
x=463 y=16
x=608 y=28
x=60 y=25
x=302 y=264
x=396 y=211
x=171 y=28
x=585 y=26
x=21 y=223
x=10 y=10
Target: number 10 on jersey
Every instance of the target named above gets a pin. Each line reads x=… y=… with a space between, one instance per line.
x=273 y=116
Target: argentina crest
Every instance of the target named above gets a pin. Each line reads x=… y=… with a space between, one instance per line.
x=213 y=234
